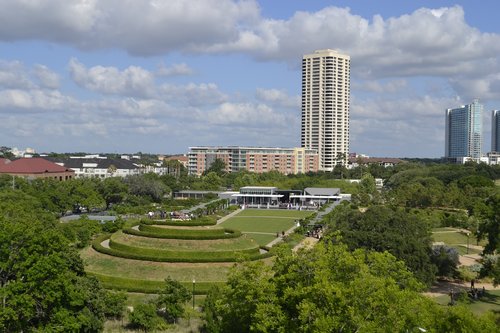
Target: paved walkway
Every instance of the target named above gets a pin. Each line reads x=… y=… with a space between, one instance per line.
x=192 y=209
x=279 y=239
x=105 y=243
x=222 y=219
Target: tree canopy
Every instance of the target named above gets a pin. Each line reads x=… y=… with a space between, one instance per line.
x=331 y=289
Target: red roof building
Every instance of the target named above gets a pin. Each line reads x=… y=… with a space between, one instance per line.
x=36 y=168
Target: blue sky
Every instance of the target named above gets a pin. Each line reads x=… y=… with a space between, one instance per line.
x=160 y=76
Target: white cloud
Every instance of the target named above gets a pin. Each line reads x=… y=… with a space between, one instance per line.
x=391 y=86
x=191 y=94
x=34 y=101
x=245 y=114
x=13 y=75
x=174 y=70
x=278 y=98
x=132 y=81
x=47 y=78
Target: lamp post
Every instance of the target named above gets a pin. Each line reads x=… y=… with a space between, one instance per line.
x=194 y=283
x=468 y=234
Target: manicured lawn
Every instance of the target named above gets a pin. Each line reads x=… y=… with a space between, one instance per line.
x=262 y=239
x=453 y=238
x=491 y=301
x=259 y=224
x=239 y=243
x=298 y=214
x=137 y=269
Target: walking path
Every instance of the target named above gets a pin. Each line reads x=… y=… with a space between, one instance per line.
x=222 y=219
x=192 y=209
x=279 y=239
x=105 y=243
x=445 y=287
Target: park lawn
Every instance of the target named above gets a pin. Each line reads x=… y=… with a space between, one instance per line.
x=292 y=213
x=259 y=224
x=491 y=301
x=462 y=250
x=443 y=229
x=453 y=238
x=262 y=239
x=104 y=264
x=240 y=243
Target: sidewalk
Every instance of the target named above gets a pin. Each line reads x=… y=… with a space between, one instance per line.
x=222 y=219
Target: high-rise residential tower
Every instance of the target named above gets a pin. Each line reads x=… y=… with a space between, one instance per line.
x=326 y=90
x=464 y=131
x=495 y=131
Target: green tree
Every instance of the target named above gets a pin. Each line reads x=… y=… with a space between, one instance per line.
x=218 y=166
x=144 y=317
x=43 y=286
x=171 y=299
x=113 y=190
x=115 y=304
x=382 y=228
x=330 y=289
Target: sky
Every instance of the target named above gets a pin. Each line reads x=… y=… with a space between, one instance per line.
x=127 y=76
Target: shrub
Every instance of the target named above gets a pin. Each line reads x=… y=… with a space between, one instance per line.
x=189 y=256
x=148 y=286
x=149 y=231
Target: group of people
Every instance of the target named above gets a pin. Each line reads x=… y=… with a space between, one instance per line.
x=473 y=292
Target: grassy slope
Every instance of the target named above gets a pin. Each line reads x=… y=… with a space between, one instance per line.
x=240 y=243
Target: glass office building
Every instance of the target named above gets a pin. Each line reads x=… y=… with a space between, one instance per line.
x=464 y=131
x=495 y=131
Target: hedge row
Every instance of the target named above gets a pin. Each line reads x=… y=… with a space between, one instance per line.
x=189 y=256
x=149 y=286
x=150 y=231
x=120 y=252
x=189 y=223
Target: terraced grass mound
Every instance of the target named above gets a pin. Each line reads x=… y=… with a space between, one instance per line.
x=145 y=276
x=182 y=232
x=138 y=259
x=232 y=244
x=123 y=250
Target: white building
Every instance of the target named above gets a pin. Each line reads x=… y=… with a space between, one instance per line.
x=325 y=106
x=99 y=167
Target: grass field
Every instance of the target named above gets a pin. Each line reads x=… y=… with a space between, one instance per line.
x=263 y=224
x=259 y=224
x=297 y=214
x=240 y=243
x=453 y=238
x=262 y=239
x=138 y=269
x=491 y=301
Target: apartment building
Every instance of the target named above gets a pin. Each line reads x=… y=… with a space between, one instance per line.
x=326 y=91
x=254 y=159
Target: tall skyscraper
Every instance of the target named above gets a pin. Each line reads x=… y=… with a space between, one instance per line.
x=495 y=131
x=326 y=91
x=464 y=131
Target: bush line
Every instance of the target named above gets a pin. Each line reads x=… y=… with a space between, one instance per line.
x=189 y=223
x=183 y=234
x=182 y=255
x=149 y=286
x=237 y=257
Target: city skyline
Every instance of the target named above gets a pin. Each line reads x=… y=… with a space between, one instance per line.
x=96 y=77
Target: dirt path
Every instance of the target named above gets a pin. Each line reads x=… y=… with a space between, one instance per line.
x=306 y=243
